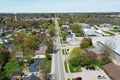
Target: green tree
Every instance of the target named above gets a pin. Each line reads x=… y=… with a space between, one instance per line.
x=64 y=34
x=5 y=55
x=48 y=56
x=44 y=26
x=89 y=40
x=60 y=23
x=74 y=62
x=92 y=56
x=84 y=44
x=19 y=37
x=50 y=46
x=31 y=41
x=76 y=28
x=80 y=56
x=61 y=28
x=30 y=44
x=51 y=30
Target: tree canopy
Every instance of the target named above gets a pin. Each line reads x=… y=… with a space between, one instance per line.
x=86 y=42
x=79 y=57
x=51 y=29
x=31 y=41
x=76 y=28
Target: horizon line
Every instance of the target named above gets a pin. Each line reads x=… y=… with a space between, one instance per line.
x=50 y=12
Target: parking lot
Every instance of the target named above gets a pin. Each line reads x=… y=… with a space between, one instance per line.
x=89 y=74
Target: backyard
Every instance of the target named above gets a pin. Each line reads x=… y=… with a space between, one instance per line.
x=12 y=66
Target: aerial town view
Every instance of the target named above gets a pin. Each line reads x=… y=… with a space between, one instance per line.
x=60 y=40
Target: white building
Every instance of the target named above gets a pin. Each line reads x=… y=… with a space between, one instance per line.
x=115 y=44
x=39 y=54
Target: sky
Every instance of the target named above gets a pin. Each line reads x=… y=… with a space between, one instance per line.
x=58 y=6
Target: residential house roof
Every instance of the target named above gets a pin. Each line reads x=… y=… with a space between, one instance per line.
x=112 y=70
x=40 y=52
x=69 y=36
x=35 y=66
x=16 y=73
x=42 y=47
x=4 y=40
x=67 y=26
x=31 y=77
x=19 y=54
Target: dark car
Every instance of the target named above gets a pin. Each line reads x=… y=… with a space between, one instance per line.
x=79 y=78
x=101 y=77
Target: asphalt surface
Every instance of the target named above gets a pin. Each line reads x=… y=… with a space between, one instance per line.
x=59 y=64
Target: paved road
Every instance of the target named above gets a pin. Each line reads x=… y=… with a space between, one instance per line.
x=58 y=63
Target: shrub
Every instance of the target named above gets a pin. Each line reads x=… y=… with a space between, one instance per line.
x=84 y=44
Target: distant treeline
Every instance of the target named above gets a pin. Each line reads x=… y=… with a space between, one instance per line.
x=91 y=18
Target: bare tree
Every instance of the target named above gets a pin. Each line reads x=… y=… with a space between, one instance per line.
x=107 y=46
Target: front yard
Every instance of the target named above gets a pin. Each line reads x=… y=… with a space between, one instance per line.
x=74 y=69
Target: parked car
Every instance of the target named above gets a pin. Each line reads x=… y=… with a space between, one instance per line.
x=101 y=77
x=90 y=68
x=78 y=78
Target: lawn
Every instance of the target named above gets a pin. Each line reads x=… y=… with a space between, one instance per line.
x=66 y=69
x=91 y=47
x=63 y=51
x=11 y=67
x=115 y=30
x=78 y=35
x=48 y=64
x=73 y=79
x=97 y=63
x=74 y=69
x=61 y=41
x=110 y=33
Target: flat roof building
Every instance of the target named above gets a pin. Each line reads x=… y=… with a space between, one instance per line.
x=112 y=70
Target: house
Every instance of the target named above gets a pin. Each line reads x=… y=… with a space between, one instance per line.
x=42 y=47
x=66 y=27
x=112 y=70
x=31 y=77
x=106 y=25
x=35 y=66
x=5 y=41
x=117 y=28
x=40 y=54
x=114 y=53
x=16 y=75
x=19 y=54
x=86 y=26
x=69 y=37
x=93 y=32
x=89 y=32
